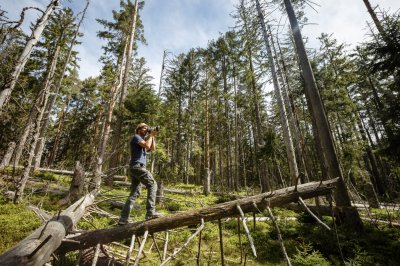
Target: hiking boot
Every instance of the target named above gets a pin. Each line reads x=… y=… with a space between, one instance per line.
x=124 y=222
x=154 y=215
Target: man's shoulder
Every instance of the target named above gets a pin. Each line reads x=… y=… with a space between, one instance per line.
x=136 y=138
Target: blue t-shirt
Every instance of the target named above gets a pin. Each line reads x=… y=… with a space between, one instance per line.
x=138 y=153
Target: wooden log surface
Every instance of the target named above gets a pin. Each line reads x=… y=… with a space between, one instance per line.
x=228 y=209
x=37 y=248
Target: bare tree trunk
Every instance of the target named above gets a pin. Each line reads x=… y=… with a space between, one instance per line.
x=26 y=131
x=124 y=88
x=162 y=73
x=57 y=138
x=52 y=100
x=206 y=186
x=228 y=150
x=23 y=58
x=342 y=198
x=8 y=155
x=262 y=173
x=375 y=19
x=291 y=111
x=287 y=136
x=107 y=123
x=37 y=248
x=236 y=163
x=44 y=96
x=375 y=177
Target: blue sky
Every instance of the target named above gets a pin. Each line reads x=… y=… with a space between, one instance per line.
x=178 y=25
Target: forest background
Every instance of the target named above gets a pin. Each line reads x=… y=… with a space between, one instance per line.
x=234 y=114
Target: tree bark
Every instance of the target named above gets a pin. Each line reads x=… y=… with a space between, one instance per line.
x=124 y=89
x=342 y=198
x=23 y=58
x=254 y=94
x=107 y=122
x=7 y=157
x=376 y=20
x=57 y=138
x=207 y=179
x=37 y=248
x=43 y=98
x=52 y=100
x=77 y=183
x=298 y=139
x=287 y=136
x=275 y=198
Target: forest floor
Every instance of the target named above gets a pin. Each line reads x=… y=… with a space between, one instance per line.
x=305 y=240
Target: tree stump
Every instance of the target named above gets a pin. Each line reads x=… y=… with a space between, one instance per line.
x=160 y=193
x=7 y=157
x=76 y=188
x=77 y=183
x=371 y=195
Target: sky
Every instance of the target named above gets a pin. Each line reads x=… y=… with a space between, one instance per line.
x=178 y=25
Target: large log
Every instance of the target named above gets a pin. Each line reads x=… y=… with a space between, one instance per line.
x=227 y=209
x=166 y=190
x=37 y=248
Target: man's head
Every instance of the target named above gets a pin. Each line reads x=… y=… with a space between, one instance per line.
x=140 y=127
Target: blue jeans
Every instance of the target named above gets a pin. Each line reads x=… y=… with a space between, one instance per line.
x=140 y=175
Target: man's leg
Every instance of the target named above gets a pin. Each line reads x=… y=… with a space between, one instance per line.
x=135 y=193
x=146 y=178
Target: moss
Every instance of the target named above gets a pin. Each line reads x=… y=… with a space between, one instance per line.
x=306 y=242
x=95 y=222
x=16 y=222
x=45 y=175
x=172 y=206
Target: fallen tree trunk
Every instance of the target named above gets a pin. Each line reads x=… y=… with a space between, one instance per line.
x=57 y=171
x=166 y=190
x=37 y=248
x=275 y=198
x=324 y=210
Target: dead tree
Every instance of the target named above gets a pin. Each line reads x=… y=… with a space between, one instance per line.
x=322 y=127
x=42 y=102
x=109 y=107
x=287 y=136
x=52 y=100
x=124 y=89
x=8 y=155
x=23 y=58
x=37 y=248
x=77 y=185
x=189 y=218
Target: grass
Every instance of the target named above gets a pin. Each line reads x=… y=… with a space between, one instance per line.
x=16 y=222
x=306 y=242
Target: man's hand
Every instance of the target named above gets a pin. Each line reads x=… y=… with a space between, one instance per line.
x=153 y=133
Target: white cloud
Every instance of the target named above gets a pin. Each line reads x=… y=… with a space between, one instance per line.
x=345 y=19
x=178 y=25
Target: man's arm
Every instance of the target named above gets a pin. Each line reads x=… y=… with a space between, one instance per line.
x=149 y=144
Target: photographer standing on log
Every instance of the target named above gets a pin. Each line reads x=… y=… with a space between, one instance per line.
x=139 y=174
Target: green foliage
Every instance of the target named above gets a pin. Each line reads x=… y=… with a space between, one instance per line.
x=211 y=232
x=307 y=256
x=46 y=176
x=95 y=223
x=47 y=201
x=16 y=222
x=173 y=206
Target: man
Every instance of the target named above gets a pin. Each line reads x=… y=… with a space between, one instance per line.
x=140 y=175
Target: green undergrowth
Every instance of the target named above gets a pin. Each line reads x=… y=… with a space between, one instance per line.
x=61 y=180
x=16 y=222
x=306 y=242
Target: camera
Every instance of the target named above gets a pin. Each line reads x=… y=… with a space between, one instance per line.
x=156 y=128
